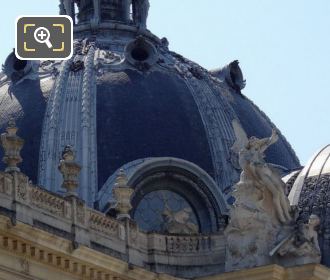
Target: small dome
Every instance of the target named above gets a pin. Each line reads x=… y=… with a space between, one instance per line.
x=311 y=194
x=317 y=166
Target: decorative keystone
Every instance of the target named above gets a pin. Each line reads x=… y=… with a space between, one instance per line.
x=70 y=171
x=122 y=194
x=12 y=146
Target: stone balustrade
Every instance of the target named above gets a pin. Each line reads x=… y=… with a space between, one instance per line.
x=103 y=224
x=70 y=218
x=188 y=244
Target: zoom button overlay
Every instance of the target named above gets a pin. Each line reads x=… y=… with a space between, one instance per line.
x=41 y=38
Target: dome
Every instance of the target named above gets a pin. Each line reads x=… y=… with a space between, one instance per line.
x=125 y=97
x=311 y=194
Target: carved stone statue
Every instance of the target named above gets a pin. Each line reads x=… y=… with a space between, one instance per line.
x=255 y=169
x=140 y=12
x=261 y=230
x=178 y=222
x=301 y=246
x=261 y=211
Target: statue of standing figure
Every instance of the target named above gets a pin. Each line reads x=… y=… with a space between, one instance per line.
x=255 y=169
x=140 y=12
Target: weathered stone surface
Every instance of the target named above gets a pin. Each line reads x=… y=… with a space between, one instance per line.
x=253 y=228
x=261 y=222
x=123 y=195
x=12 y=146
x=302 y=246
x=70 y=171
x=85 y=229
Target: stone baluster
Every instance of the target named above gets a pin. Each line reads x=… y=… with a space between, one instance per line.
x=12 y=146
x=122 y=194
x=70 y=171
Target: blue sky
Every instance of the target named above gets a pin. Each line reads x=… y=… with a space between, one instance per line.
x=283 y=48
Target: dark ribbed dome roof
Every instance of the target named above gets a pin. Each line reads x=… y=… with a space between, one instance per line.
x=150 y=115
x=124 y=96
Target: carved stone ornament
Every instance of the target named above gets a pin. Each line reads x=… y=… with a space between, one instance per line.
x=301 y=246
x=122 y=194
x=106 y=58
x=261 y=211
x=262 y=175
x=262 y=229
x=22 y=183
x=179 y=222
x=70 y=171
x=12 y=146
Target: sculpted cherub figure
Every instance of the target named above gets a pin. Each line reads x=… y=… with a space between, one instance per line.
x=303 y=242
x=255 y=169
x=307 y=234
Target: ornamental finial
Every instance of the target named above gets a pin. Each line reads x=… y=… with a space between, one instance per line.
x=122 y=194
x=12 y=146
x=70 y=171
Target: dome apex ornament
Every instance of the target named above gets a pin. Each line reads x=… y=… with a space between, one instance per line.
x=12 y=145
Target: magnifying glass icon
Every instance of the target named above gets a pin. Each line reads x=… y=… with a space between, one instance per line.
x=42 y=35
